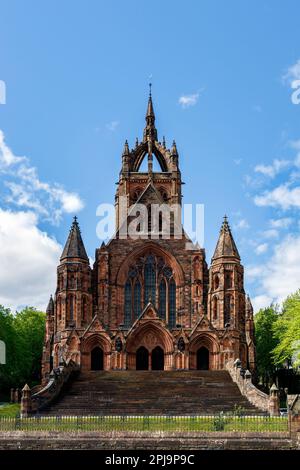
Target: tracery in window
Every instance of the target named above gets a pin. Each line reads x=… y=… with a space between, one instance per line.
x=150 y=279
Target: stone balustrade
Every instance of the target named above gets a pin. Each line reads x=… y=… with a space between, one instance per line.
x=243 y=379
x=34 y=402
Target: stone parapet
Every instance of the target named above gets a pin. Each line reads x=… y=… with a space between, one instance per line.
x=34 y=402
x=243 y=379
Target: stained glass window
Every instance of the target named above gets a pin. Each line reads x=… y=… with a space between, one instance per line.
x=137 y=299
x=127 y=319
x=150 y=278
x=172 y=303
x=162 y=299
x=150 y=287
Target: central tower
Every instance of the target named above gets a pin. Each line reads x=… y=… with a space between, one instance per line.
x=149 y=187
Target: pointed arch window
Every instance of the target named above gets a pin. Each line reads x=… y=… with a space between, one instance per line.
x=228 y=310
x=70 y=309
x=128 y=303
x=215 y=308
x=172 y=303
x=84 y=310
x=150 y=281
x=137 y=299
x=162 y=299
x=150 y=278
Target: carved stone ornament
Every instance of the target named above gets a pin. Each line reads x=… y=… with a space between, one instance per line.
x=119 y=344
x=181 y=344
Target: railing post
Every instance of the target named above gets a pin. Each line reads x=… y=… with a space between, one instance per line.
x=26 y=402
x=274 y=401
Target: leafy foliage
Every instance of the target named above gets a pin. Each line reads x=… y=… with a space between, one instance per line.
x=286 y=330
x=266 y=341
x=23 y=334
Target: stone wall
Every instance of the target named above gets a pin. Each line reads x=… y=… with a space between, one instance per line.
x=146 y=441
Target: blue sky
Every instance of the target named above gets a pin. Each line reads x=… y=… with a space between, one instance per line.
x=76 y=76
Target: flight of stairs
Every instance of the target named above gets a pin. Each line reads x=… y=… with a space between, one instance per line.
x=150 y=393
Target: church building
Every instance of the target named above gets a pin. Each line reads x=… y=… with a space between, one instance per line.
x=149 y=302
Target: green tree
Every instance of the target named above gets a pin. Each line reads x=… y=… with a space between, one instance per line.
x=287 y=332
x=8 y=371
x=266 y=341
x=23 y=334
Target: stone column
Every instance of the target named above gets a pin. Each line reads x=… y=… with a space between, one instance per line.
x=274 y=401
x=26 y=402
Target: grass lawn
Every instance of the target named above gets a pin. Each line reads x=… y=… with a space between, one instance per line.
x=9 y=410
x=150 y=423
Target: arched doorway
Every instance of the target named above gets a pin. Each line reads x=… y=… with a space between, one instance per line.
x=97 y=358
x=203 y=358
x=157 y=358
x=142 y=359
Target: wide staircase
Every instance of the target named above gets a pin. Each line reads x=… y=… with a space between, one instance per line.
x=150 y=393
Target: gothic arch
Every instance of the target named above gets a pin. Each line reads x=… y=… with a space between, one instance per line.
x=91 y=342
x=122 y=273
x=209 y=342
x=142 y=150
x=150 y=335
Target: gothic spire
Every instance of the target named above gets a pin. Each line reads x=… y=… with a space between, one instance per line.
x=50 y=308
x=74 y=247
x=226 y=247
x=150 y=131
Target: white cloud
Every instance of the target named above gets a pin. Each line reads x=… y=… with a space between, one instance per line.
x=272 y=170
x=271 y=233
x=285 y=222
x=28 y=261
x=280 y=276
x=242 y=224
x=27 y=191
x=253 y=272
x=260 y=301
x=283 y=197
x=292 y=73
x=7 y=158
x=112 y=126
x=295 y=144
x=188 y=100
x=238 y=161
x=262 y=248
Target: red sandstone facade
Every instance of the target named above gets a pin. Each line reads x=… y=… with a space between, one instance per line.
x=149 y=302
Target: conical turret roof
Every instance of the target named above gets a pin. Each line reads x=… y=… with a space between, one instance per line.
x=74 y=247
x=226 y=247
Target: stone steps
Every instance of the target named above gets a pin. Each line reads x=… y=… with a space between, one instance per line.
x=150 y=393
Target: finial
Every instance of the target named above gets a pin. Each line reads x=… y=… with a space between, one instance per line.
x=164 y=142
x=126 y=148
x=225 y=224
x=150 y=130
x=75 y=219
x=174 y=148
x=136 y=142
